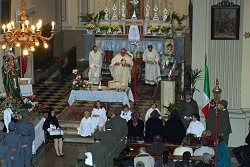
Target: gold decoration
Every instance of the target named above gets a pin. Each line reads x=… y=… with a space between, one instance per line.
x=24 y=35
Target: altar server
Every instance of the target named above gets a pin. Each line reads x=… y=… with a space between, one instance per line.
x=150 y=110
x=95 y=65
x=98 y=116
x=195 y=127
x=126 y=113
x=121 y=66
x=85 y=128
x=27 y=133
x=152 y=68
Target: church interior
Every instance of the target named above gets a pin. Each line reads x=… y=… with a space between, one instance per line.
x=133 y=55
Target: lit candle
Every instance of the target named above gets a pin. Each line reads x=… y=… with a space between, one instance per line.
x=100 y=84
x=53 y=25
x=13 y=24
x=33 y=28
x=8 y=27
x=38 y=26
x=22 y=27
x=4 y=28
x=27 y=23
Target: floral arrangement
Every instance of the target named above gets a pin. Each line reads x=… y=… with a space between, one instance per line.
x=115 y=27
x=104 y=27
x=90 y=26
x=17 y=106
x=179 y=27
x=165 y=28
x=78 y=83
x=154 y=28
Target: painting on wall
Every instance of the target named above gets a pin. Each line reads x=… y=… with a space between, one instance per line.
x=225 y=21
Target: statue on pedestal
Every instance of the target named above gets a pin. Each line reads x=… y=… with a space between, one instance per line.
x=10 y=73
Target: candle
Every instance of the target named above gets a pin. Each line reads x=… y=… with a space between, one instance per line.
x=4 y=28
x=100 y=85
x=53 y=25
x=13 y=25
x=33 y=28
x=27 y=23
x=23 y=27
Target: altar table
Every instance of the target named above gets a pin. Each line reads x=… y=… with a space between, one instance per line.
x=106 y=95
x=39 y=135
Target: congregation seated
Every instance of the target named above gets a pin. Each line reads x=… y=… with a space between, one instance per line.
x=195 y=127
x=207 y=134
x=126 y=113
x=85 y=128
x=135 y=128
x=184 y=147
x=224 y=157
x=204 y=148
x=150 y=110
x=206 y=161
x=174 y=130
x=156 y=149
x=124 y=159
x=98 y=115
x=185 y=160
x=242 y=153
x=144 y=159
x=154 y=126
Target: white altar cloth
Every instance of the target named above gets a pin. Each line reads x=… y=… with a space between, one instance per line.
x=103 y=96
x=39 y=136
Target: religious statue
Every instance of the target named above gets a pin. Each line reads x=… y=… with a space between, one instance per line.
x=10 y=73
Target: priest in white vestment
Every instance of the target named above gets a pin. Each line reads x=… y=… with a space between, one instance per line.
x=195 y=127
x=152 y=68
x=121 y=66
x=150 y=110
x=85 y=128
x=98 y=116
x=95 y=65
x=126 y=113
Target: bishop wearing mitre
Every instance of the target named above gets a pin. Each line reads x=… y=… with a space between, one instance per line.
x=121 y=66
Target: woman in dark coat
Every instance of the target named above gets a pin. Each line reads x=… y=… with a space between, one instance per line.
x=154 y=126
x=174 y=130
x=135 y=128
x=58 y=139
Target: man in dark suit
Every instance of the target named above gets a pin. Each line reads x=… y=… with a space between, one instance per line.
x=187 y=108
x=27 y=134
x=119 y=128
x=242 y=153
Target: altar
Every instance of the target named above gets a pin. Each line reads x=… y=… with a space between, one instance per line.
x=106 y=95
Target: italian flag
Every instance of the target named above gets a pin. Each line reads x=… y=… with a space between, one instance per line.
x=206 y=93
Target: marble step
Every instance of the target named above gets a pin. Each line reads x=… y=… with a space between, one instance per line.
x=78 y=139
x=69 y=124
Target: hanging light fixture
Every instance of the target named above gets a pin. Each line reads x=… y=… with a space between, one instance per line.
x=24 y=35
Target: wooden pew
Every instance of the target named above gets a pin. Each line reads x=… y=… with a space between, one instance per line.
x=134 y=147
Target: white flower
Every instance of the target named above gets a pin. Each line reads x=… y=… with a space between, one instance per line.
x=75 y=71
x=74 y=82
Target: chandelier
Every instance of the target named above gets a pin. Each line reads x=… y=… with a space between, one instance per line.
x=24 y=35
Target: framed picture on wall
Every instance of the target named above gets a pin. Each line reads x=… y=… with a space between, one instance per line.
x=225 y=21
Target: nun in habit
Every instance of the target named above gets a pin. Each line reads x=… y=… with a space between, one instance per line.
x=150 y=110
x=85 y=128
x=98 y=115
